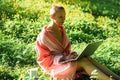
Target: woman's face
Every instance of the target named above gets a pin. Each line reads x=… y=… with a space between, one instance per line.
x=59 y=17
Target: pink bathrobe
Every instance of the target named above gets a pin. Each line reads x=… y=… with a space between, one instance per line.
x=50 y=50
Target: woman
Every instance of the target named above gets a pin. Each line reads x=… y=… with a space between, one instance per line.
x=53 y=47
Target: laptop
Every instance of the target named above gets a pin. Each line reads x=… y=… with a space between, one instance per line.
x=87 y=51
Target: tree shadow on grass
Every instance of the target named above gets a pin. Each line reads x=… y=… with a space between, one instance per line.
x=110 y=8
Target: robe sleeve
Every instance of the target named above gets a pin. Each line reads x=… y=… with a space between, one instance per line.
x=67 y=49
x=44 y=57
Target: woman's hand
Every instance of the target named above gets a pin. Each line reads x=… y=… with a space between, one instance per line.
x=72 y=55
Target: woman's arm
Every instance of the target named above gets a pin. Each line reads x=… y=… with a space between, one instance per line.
x=44 y=58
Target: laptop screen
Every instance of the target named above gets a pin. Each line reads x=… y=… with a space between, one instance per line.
x=90 y=49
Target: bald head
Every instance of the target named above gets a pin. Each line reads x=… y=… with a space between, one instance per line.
x=55 y=9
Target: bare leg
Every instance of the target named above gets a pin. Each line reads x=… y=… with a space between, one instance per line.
x=89 y=67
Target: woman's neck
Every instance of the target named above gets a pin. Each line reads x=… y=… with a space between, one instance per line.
x=53 y=25
x=55 y=31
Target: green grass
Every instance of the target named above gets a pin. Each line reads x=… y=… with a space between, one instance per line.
x=86 y=21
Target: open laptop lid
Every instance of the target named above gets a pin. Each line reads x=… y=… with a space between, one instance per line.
x=90 y=49
x=87 y=51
